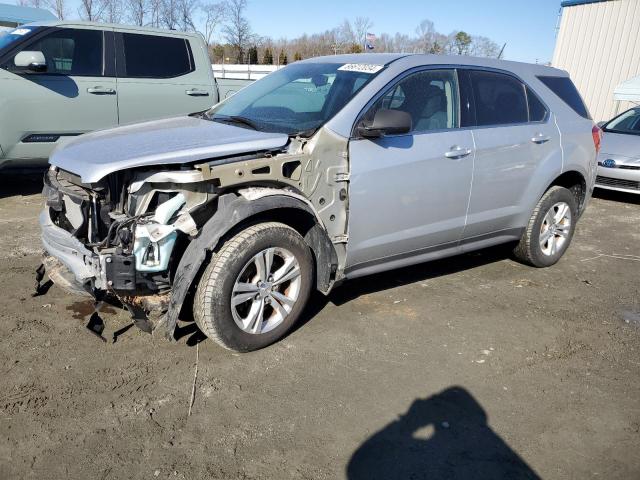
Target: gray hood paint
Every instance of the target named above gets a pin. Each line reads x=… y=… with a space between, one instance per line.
x=621 y=145
x=170 y=141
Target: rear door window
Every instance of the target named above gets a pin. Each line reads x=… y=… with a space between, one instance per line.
x=153 y=56
x=499 y=99
x=72 y=52
x=564 y=88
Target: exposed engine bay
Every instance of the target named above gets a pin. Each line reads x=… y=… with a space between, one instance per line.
x=133 y=234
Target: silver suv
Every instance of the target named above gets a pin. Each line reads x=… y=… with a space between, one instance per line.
x=329 y=169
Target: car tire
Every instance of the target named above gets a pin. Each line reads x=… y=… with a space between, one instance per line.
x=550 y=228
x=255 y=287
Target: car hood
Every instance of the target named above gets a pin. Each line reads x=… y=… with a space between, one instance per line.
x=161 y=142
x=620 y=145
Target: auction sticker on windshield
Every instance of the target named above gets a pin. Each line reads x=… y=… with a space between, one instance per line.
x=21 y=31
x=361 y=67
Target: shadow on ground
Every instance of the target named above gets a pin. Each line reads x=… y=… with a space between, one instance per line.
x=13 y=185
x=615 y=196
x=443 y=436
x=353 y=289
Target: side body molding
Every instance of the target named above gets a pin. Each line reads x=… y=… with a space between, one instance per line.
x=233 y=209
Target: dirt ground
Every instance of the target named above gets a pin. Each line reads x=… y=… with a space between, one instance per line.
x=473 y=367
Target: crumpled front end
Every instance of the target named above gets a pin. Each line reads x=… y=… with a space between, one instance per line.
x=118 y=238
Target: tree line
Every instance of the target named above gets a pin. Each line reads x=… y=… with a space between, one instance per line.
x=227 y=30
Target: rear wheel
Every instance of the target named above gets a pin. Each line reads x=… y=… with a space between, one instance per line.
x=255 y=287
x=550 y=228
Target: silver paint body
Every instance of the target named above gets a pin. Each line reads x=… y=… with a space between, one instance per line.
x=407 y=202
x=625 y=151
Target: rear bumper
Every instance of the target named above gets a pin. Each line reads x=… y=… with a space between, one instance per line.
x=83 y=264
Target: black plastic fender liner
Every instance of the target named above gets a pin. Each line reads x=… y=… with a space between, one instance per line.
x=233 y=209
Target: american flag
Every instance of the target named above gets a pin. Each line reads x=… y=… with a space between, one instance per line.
x=370 y=42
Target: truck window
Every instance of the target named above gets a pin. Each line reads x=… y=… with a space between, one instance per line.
x=153 y=56
x=499 y=99
x=71 y=52
x=564 y=88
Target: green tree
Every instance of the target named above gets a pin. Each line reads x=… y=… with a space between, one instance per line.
x=217 y=52
x=355 y=48
x=462 y=42
x=297 y=57
x=282 y=58
x=267 y=58
x=253 y=55
x=436 y=48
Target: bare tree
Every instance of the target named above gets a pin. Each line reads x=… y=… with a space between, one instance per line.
x=169 y=13
x=155 y=12
x=237 y=30
x=484 y=47
x=91 y=10
x=59 y=8
x=426 y=36
x=137 y=11
x=186 y=11
x=361 y=26
x=113 y=11
x=214 y=14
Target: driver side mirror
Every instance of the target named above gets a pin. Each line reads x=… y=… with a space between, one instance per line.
x=386 y=122
x=31 y=60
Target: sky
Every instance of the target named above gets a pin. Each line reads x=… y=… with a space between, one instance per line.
x=528 y=27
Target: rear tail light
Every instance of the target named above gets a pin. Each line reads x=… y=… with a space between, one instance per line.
x=596 y=132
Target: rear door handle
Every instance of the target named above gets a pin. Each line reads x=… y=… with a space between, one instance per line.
x=540 y=138
x=197 y=93
x=457 y=152
x=101 y=91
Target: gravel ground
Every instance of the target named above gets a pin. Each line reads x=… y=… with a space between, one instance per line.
x=472 y=367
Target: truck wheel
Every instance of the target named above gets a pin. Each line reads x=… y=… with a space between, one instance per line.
x=255 y=287
x=550 y=229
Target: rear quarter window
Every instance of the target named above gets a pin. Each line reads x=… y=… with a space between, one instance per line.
x=564 y=88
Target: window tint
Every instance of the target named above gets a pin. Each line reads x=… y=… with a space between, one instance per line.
x=430 y=97
x=499 y=99
x=537 y=110
x=152 y=56
x=564 y=88
x=71 y=52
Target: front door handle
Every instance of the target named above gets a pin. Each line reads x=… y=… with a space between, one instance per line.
x=457 y=152
x=540 y=139
x=101 y=91
x=197 y=93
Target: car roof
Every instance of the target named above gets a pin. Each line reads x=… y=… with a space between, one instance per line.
x=418 y=59
x=119 y=26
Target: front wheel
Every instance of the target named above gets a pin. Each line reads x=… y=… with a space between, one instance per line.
x=255 y=287
x=550 y=228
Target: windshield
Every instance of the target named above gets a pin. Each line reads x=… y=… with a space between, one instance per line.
x=297 y=99
x=14 y=36
x=627 y=122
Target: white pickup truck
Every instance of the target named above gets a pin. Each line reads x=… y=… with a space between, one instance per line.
x=60 y=79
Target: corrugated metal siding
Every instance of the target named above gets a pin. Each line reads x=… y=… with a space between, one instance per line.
x=599 y=45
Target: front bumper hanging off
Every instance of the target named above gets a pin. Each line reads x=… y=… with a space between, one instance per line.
x=70 y=265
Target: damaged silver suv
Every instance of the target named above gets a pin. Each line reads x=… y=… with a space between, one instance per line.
x=329 y=169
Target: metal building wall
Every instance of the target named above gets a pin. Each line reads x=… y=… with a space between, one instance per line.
x=599 y=45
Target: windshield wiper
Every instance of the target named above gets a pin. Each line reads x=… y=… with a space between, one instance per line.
x=237 y=119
